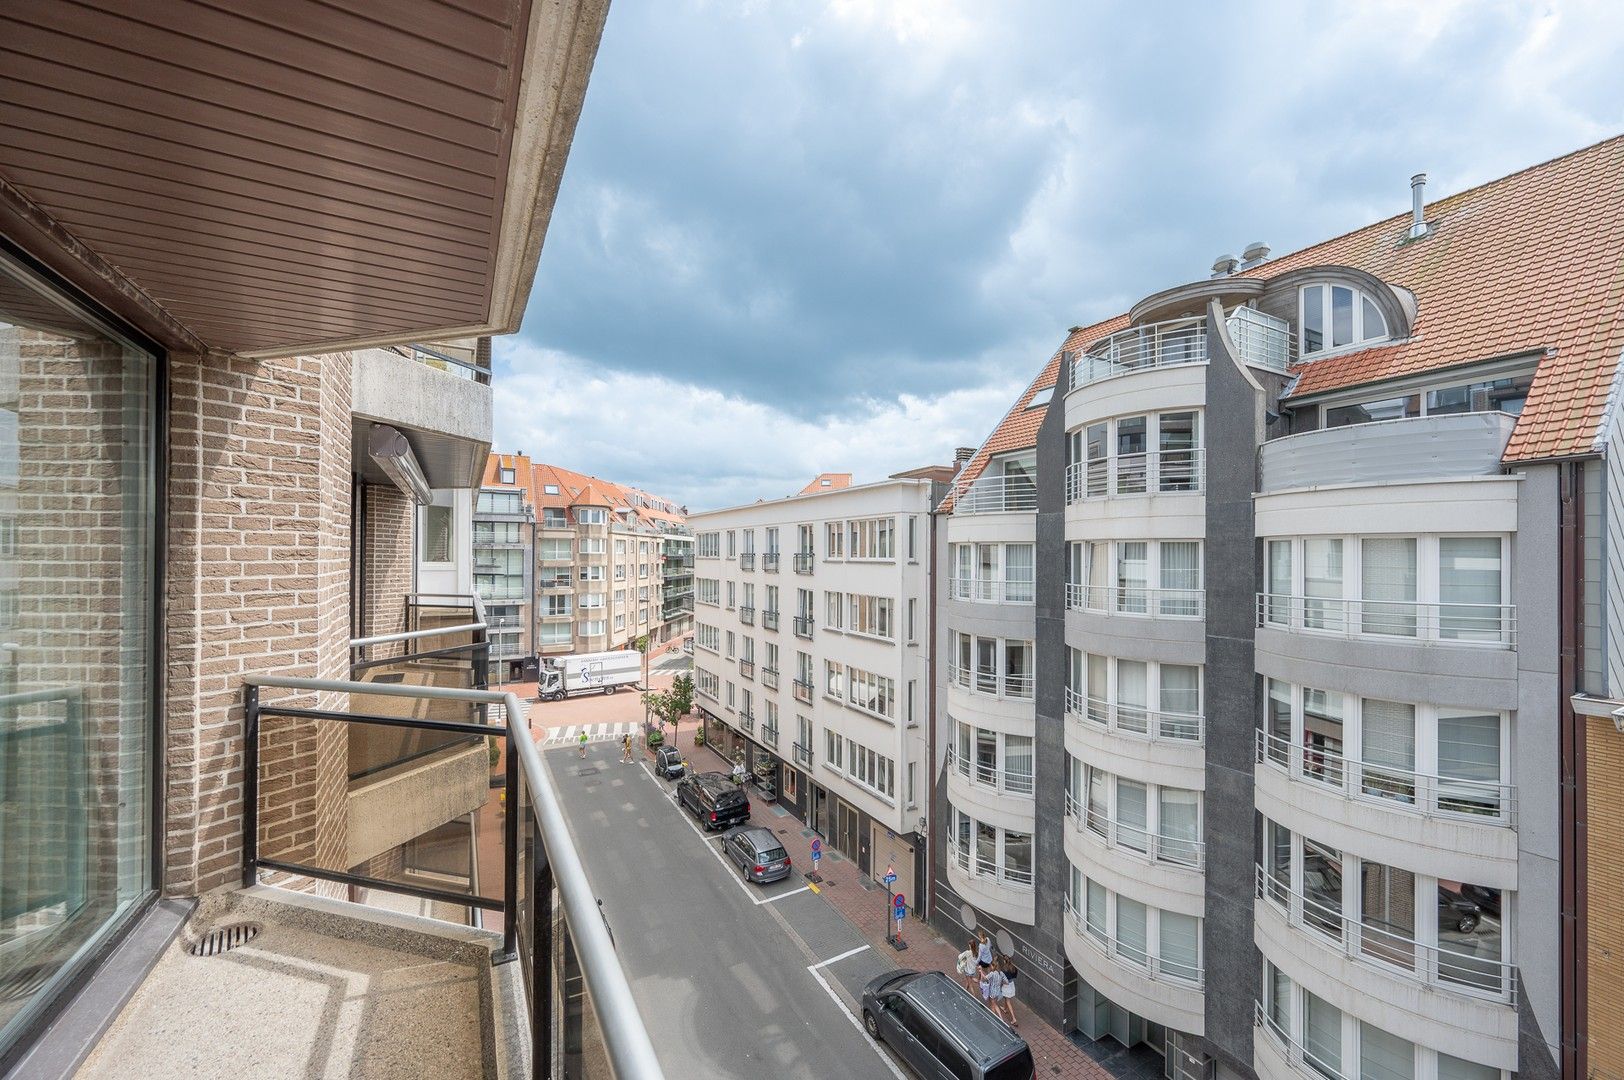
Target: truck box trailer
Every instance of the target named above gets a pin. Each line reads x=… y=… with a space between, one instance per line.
x=588 y=673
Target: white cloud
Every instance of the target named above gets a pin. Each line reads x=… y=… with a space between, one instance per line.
x=706 y=448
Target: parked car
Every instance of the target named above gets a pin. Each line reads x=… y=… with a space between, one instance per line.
x=1456 y=912
x=942 y=1032
x=714 y=799
x=759 y=855
x=668 y=762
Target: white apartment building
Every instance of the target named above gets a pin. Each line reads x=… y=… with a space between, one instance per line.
x=811 y=658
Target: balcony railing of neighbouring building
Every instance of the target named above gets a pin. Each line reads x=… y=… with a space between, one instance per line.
x=803 y=562
x=1138 y=721
x=1417 y=448
x=997 y=495
x=1261 y=340
x=802 y=755
x=1157 y=472
x=1143 y=348
x=747 y=560
x=1482 y=625
x=1175 y=850
x=769 y=562
x=991 y=590
x=1133 y=954
x=981 y=866
x=474 y=366
x=577 y=1001
x=988 y=775
x=803 y=626
x=1008 y=684
x=802 y=691
x=1136 y=600
x=769 y=619
x=747 y=614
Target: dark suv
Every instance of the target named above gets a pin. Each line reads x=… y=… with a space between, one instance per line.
x=941 y=1031
x=714 y=799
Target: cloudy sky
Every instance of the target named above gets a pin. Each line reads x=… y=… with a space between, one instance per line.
x=842 y=236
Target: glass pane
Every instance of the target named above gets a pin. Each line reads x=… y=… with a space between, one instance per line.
x=1131 y=930
x=1387 y=573
x=1323 y=608
x=1130 y=454
x=1277 y=991
x=1383 y=1056
x=1341 y=316
x=1180 y=945
x=1322 y=1035
x=1132 y=815
x=76 y=519
x=1132 y=577
x=1278 y=719
x=1313 y=318
x=1177 y=467
x=1277 y=605
x=1387 y=913
x=1372 y=324
x=1096 y=909
x=1388 y=749
x=1470 y=936
x=1132 y=695
x=1454 y=1068
x=1180 y=578
x=1323 y=711
x=1179 y=825
x=1322 y=888
x=1181 y=701
x=1469 y=764
x=1469 y=594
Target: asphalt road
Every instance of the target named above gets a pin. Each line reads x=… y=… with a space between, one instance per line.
x=732 y=979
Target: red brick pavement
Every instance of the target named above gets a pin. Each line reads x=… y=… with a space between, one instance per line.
x=865 y=909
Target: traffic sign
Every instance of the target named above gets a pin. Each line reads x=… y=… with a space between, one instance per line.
x=890 y=878
x=817 y=850
x=900 y=905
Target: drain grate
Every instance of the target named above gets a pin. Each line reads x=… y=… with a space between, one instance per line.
x=223 y=939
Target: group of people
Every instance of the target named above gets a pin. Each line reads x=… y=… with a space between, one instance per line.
x=993 y=977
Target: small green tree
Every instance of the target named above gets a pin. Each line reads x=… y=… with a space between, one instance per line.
x=670 y=706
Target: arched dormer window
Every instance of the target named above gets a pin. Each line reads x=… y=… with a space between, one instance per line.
x=1332 y=317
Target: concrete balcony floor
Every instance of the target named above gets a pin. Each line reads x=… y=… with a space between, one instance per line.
x=326 y=989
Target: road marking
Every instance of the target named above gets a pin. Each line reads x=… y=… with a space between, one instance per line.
x=780 y=896
x=814 y=888
x=856 y=1023
x=714 y=849
x=836 y=959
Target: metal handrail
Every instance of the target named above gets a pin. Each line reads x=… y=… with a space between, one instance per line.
x=769 y=678
x=1142 y=959
x=1143 y=348
x=997 y=495
x=976 y=866
x=479 y=373
x=1153 y=472
x=1136 y=600
x=747 y=669
x=1427 y=622
x=415 y=635
x=747 y=560
x=801 y=753
x=1016 y=685
x=769 y=619
x=1262 y=340
x=802 y=690
x=802 y=562
x=769 y=561
x=989 y=776
x=991 y=590
x=1174 y=850
x=802 y=626
x=1298 y=1055
x=1421 y=793
x=747 y=614
x=625 y=1037
x=1431 y=965
x=1138 y=721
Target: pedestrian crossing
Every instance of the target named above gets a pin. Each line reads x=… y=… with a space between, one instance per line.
x=571 y=735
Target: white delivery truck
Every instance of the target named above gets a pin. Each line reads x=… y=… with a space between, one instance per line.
x=588 y=673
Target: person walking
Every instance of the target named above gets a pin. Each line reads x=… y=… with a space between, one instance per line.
x=626 y=750
x=967 y=968
x=583 y=744
x=992 y=989
x=1008 y=1001
x=983 y=949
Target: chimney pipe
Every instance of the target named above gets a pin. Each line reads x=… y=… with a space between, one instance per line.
x=1418 y=198
x=1224 y=265
x=962 y=456
x=1256 y=252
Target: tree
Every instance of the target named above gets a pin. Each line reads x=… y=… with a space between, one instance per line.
x=673 y=704
x=641 y=645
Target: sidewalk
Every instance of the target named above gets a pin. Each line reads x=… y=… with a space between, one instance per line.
x=862 y=903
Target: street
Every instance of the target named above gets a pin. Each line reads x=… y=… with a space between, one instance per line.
x=733 y=979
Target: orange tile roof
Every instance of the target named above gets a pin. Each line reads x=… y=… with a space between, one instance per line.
x=829 y=481
x=578 y=489
x=1531 y=262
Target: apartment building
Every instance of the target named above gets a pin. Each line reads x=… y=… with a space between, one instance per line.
x=569 y=563
x=240 y=260
x=1279 y=638
x=811 y=658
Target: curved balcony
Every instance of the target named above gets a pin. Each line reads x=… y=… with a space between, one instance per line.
x=1142 y=348
x=1155 y=472
x=991 y=700
x=1137 y=721
x=1459 y=829
x=1164 y=993
x=1135 y=841
x=988 y=794
x=997 y=495
x=1384 y=451
x=1403 y=622
x=1277 y=1056
x=1136 y=755
x=1002 y=892
x=1137 y=602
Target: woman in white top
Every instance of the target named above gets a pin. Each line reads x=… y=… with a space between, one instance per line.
x=967 y=967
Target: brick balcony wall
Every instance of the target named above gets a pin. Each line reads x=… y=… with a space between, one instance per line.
x=258 y=583
x=388 y=551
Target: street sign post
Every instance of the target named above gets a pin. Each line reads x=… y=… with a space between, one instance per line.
x=899 y=911
x=817 y=853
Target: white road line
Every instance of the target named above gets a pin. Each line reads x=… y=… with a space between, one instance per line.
x=856 y=1023
x=780 y=896
x=842 y=956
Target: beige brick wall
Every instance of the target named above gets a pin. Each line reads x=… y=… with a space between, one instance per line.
x=389 y=558
x=1604 y=809
x=258 y=582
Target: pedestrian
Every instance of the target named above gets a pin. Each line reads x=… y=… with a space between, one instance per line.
x=583 y=744
x=1008 y=1002
x=967 y=967
x=992 y=989
x=983 y=949
x=626 y=750
x=738 y=768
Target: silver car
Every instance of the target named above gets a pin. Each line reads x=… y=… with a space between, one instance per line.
x=757 y=853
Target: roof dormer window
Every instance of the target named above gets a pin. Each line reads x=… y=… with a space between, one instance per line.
x=1336 y=317
x=508 y=476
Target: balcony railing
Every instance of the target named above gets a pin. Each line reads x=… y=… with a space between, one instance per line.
x=802 y=691
x=747 y=720
x=468 y=368
x=991 y=590
x=1131 y=955
x=769 y=734
x=769 y=561
x=1451 y=970
x=555 y=581
x=769 y=619
x=577 y=997
x=747 y=560
x=747 y=614
x=1174 y=850
x=1264 y=341
x=803 y=626
x=977 y=866
x=747 y=669
x=802 y=563
x=1013 y=684
x=802 y=754
x=1415 y=448
x=769 y=678
x=1143 y=348
x=1302 y=1059
x=997 y=495
x=1136 y=720
x=1488 y=803
x=1155 y=472
x=1482 y=625
x=1137 y=600
x=989 y=776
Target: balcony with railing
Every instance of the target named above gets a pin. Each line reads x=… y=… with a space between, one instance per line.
x=997 y=495
x=1416 y=448
x=769 y=678
x=1155 y=472
x=747 y=719
x=1143 y=348
x=1261 y=340
x=802 y=625
x=991 y=683
x=747 y=669
x=549 y=581
x=769 y=562
x=747 y=614
x=985 y=868
x=1133 y=955
x=1457 y=968
x=747 y=560
x=1484 y=626
x=1138 y=601
x=1136 y=721
x=801 y=754
x=979 y=590
x=803 y=691
x=988 y=775
x=769 y=734
x=802 y=562
x=1178 y=851
x=769 y=618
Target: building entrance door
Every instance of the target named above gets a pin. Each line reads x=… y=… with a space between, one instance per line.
x=846 y=828
x=818 y=807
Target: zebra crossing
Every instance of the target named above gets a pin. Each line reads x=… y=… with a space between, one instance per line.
x=571 y=736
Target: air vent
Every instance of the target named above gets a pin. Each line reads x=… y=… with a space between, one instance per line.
x=222 y=939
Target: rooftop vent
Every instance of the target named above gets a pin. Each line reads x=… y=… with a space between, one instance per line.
x=1256 y=252
x=1418 y=198
x=1224 y=265
x=962 y=456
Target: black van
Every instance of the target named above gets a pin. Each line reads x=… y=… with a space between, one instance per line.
x=714 y=799
x=941 y=1031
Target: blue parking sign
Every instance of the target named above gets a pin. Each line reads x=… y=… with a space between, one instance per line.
x=901 y=906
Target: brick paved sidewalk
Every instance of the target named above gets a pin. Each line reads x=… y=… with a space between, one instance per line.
x=863 y=903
